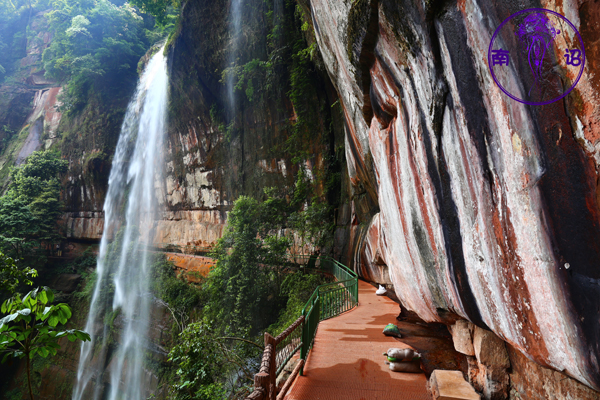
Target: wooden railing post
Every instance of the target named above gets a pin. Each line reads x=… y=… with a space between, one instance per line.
x=272 y=344
x=261 y=384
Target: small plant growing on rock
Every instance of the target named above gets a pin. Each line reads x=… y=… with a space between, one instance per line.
x=30 y=328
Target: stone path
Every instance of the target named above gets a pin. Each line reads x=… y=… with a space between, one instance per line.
x=346 y=361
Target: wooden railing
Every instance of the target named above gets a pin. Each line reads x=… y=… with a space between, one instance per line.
x=278 y=351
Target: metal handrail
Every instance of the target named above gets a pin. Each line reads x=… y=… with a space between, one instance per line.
x=327 y=301
x=324 y=304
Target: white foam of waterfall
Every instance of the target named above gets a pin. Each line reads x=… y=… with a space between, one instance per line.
x=111 y=366
x=235 y=28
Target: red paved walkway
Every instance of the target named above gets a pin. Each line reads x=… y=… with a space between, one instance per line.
x=346 y=362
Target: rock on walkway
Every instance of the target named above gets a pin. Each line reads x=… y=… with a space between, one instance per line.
x=346 y=361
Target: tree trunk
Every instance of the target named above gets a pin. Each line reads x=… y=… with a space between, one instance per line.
x=29 y=378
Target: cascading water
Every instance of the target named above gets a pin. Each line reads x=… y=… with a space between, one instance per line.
x=235 y=28
x=113 y=367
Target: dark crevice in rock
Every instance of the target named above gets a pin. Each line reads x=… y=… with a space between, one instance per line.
x=568 y=190
x=453 y=239
x=362 y=35
x=470 y=93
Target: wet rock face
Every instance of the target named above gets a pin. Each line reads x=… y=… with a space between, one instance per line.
x=486 y=209
x=216 y=152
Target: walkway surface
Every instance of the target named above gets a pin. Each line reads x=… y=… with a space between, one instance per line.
x=346 y=361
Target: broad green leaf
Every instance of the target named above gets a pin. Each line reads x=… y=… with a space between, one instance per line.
x=50 y=294
x=83 y=335
x=43 y=297
x=66 y=310
x=53 y=321
x=42 y=351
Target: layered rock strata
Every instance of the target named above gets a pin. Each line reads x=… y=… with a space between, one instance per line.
x=486 y=209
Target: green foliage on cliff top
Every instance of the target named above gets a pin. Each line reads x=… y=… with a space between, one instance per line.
x=15 y=17
x=96 y=46
x=161 y=9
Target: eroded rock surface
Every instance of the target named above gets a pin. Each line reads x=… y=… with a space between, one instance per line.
x=486 y=209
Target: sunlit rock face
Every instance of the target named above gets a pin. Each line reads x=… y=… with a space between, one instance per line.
x=487 y=208
x=29 y=102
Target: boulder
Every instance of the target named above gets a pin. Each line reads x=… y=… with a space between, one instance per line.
x=451 y=385
x=490 y=350
x=462 y=336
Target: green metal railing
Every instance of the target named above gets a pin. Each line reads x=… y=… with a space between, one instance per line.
x=327 y=301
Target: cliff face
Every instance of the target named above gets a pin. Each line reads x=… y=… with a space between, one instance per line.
x=487 y=209
x=29 y=115
x=282 y=120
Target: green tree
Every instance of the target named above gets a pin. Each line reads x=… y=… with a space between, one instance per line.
x=18 y=227
x=37 y=184
x=243 y=285
x=209 y=367
x=11 y=275
x=157 y=8
x=96 y=47
x=31 y=206
x=199 y=364
x=32 y=327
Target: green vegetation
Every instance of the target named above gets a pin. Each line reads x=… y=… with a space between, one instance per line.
x=244 y=283
x=30 y=208
x=178 y=296
x=28 y=213
x=32 y=327
x=253 y=288
x=11 y=275
x=201 y=362
x=96 y=48
x=162 y=10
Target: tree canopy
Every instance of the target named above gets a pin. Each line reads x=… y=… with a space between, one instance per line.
x=96 y=44
x=31 y=206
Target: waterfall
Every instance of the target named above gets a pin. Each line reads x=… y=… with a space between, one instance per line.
x=113 y=367
x=235 y=28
